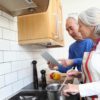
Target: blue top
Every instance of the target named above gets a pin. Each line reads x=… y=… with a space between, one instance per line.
x=76 y=52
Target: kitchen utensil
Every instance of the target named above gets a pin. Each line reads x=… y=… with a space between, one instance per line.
x=62 y=84
x=53 y=94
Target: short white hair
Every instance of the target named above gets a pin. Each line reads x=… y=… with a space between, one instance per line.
x=91 y=17
x=73 y=16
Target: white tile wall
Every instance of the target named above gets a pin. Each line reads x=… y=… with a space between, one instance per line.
x=9 y=56
x=4 y=44
x=17 y=65
x=4 y=22
x=9 y=34
x=15 y=60
x=17 y=86
x=0 y=32
x=2 y=83
x=27 y=80
x=5 y=68
x=10 y=78
x=1 y=56
x=13 y=25
x=5 y=92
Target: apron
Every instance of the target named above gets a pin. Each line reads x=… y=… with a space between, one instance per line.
x=90 y=75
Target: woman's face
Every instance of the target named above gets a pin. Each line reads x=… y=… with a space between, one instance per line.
x=85 y=30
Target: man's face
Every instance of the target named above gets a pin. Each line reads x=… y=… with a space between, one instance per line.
x=72 y=28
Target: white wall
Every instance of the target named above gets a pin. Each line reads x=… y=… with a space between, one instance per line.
x=76 y=6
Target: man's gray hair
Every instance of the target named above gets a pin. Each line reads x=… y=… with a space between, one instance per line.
x=73 y=16
x=91 y=17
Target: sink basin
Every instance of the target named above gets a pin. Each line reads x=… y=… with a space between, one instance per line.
x=30 y=95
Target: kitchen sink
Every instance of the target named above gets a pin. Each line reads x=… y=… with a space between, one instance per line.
x=29 y=93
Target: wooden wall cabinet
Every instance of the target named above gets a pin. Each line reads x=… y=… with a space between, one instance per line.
x=42 y=28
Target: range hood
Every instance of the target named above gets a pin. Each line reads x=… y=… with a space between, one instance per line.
x=22 y=7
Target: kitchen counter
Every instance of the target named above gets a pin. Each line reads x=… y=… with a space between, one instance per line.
x=29 y=93
x=30 y=87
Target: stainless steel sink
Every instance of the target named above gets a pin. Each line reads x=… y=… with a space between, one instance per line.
x=30 y=95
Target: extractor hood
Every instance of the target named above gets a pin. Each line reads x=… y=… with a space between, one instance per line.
x=22 y=7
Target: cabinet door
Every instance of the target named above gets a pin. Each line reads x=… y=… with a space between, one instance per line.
x=59 y=12
x=58 y=34
x=54 y=19
x=33 y=26
x=22 y=29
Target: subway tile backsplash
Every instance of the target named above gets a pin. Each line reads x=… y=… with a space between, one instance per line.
x=2 y=81
x=5 y=92
x=0 y=33
x=4 y=22
x=12 y=35
x=15 y=60
x=1 y=56
x=4 y=44
x=10 y=78
x=5 y=68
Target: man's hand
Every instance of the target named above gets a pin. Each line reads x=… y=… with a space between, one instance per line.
x=70 y=89
x=52 y=66
x=66 y=62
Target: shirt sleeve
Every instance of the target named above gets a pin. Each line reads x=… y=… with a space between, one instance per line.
x=71 y=55
x=76 y=61
x=89 y=89
x=63 y=69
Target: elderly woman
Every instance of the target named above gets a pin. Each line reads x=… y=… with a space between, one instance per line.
x=89 y=27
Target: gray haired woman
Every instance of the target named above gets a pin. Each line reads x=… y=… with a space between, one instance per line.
x=89 y=27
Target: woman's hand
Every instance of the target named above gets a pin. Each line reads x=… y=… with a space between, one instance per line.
x=70 y=89
x=66 y=62
x=74 y=73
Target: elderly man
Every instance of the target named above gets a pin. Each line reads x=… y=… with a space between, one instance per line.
x=76 y=49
